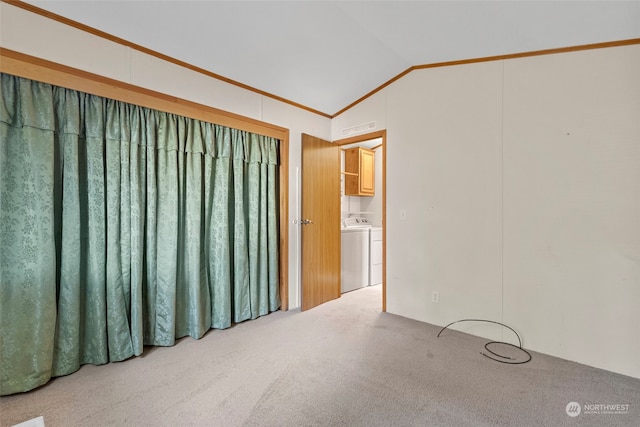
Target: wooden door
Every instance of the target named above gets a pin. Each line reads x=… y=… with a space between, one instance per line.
x=321 y=236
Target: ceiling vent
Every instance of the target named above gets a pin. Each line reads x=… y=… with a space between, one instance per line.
x=360 y=128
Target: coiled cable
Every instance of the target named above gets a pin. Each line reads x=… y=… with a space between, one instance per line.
x=496 y=356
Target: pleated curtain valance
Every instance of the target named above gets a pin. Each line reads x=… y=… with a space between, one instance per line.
x=64 y=111
x=122 y=226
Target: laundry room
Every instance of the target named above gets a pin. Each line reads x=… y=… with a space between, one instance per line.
x=361 y=196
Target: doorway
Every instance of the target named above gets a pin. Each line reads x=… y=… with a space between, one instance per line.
x=371 y=208
x=320 y=217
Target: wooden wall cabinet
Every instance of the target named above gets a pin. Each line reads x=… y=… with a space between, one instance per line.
x=359 y=169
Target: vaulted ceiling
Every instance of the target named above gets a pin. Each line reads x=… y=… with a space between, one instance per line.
x=327 y=54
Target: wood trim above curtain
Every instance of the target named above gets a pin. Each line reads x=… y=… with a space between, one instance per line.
x=31 y=67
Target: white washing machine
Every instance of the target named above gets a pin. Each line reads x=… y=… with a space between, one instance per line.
x=354 y=254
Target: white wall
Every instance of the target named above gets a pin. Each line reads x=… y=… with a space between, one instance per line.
x=32 y=34
x=521 y=183
x=572 y=205
x=443 y=169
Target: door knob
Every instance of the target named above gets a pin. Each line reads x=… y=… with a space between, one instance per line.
x=305 y=222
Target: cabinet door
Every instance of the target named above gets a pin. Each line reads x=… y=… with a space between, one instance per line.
x=367 y=167
x=359 y=170
x=352 y=169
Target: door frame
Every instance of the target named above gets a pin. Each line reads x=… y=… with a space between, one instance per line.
x=382 y=134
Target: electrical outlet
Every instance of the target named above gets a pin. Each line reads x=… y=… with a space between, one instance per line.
x=435 y=297
x=403 y=214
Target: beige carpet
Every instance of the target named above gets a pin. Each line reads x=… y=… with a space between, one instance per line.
x=342 y=364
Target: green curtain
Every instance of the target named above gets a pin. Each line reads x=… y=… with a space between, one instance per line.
x=123 y=226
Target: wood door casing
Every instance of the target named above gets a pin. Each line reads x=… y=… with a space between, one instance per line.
x=321 y=238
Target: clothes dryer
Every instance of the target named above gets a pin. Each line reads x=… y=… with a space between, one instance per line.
x=354 y=254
